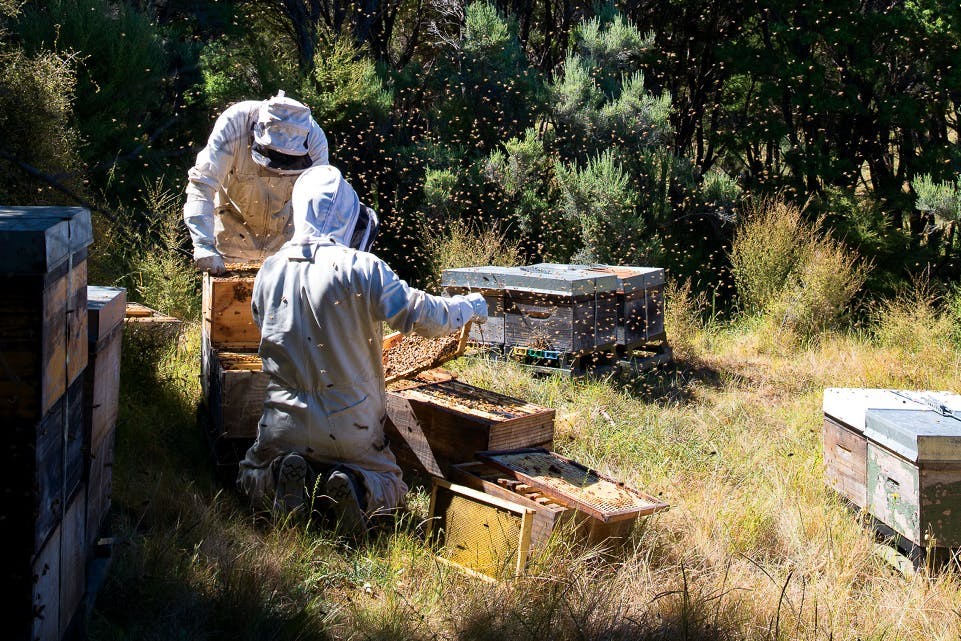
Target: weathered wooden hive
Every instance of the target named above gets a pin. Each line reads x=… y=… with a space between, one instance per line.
x=640 y=300
x=914 y=473
x=43 y=342
x=106 y=307
x=232 y=379
x=549 y=308
x=845 y=444
x=435 y=424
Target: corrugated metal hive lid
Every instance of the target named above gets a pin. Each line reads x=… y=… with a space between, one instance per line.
x=537 y=279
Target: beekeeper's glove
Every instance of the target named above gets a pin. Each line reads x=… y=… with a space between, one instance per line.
x=479 y=306
x=213 y=264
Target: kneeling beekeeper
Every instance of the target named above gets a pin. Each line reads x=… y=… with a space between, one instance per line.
x=320 y=302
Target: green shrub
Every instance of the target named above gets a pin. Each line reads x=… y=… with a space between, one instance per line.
x=788 y=271
x=466 y=245
x=36 y=95
x=820 y=288
x=918 y=320
x=601 y=199
x=766 y=249
x=121 y=67
x=162 y=273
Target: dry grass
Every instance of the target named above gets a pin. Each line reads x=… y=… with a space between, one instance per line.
x=754 y=546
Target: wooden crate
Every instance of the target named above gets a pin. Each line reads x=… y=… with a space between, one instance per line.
x=845 y=446
x=228 y=320
x=483 y=535
x=640 y=300
x=548 y=515
x=106 y=308
x=914 y=474
x=435 y=424
x=237 y=389
x=73 y=560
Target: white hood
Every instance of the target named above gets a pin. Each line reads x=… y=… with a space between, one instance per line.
x=324 y=206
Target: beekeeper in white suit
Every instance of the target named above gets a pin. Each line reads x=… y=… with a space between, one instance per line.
x=320 y=302
x=238 y=192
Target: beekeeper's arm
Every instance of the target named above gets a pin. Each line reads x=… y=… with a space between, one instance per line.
x=205 y=178
x=407 y=309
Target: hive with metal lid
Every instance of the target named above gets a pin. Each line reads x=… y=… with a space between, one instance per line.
x=543 y=307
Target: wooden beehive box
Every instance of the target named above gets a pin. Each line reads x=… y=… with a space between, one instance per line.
x=640 y=302
x=548 y=514
x=914 y=474
x=106 y=308
x=435 y=424
x=43 y=332
x=481 y=534
x=477 y=279
x=237 y=389
x=149 y=327
x=228 y=320
x=845 y=446
x=49 y=589
x=43 y=340
x=549 y=307
x=608 y=508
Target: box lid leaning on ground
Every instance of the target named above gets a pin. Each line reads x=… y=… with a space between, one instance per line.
x=916 y=435
x=536 y=279
x=848 y=405
x=37 y=239
x=106 y=307
x=629 y=278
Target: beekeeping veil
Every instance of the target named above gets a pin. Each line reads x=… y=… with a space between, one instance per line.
x=280 y=135
x=325 y=206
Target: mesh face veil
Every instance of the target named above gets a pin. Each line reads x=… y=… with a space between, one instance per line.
x=365 y=231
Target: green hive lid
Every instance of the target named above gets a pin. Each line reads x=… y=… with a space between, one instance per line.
x=37 y=239
x=917 y=435
x=545 y=278
x=630 y=278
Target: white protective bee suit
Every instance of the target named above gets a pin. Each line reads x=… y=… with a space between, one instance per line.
x=238 y=192
x=320 y=305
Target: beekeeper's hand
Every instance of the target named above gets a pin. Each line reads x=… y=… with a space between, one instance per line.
x=213 y=264
x=479 y=306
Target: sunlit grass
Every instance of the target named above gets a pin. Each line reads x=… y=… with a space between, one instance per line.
x=753 y=547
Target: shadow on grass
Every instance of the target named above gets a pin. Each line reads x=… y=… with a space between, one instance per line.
x=668 y=383
x=186 y=564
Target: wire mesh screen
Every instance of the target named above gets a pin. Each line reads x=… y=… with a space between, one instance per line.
x=478 y=536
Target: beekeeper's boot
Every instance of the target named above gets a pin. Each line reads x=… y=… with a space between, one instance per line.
x=347 y=509
x=291 y=488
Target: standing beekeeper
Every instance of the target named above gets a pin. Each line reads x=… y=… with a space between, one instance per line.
x=238 y=192
x=320 y=302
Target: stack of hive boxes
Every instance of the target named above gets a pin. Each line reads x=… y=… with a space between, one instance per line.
x=499 y=493
x=551 y=314
x=232 y=380
x=897 y=455
x=43 y=343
